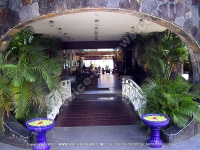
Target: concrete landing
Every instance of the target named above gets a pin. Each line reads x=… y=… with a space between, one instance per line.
x=127 y=137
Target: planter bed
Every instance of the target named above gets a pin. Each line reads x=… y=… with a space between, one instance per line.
x=174 y=134
x=16 y=134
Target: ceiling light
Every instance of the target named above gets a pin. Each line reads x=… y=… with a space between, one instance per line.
x=96 y=22
x=59 y=30
x=132 y=29
x=51 y=23
x=65 y=34
x=96 y=29
x=127 y=34
x=142 y=25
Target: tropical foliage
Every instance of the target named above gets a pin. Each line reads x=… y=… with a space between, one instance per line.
x=29 y=69
x=162 y=56
x=172 y=97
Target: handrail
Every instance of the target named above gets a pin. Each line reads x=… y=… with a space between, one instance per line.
x=132 y=92
x=57 y=98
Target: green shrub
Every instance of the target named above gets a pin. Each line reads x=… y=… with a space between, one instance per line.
x=174 y=98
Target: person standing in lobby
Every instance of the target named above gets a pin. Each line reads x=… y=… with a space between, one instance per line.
x=121 y=70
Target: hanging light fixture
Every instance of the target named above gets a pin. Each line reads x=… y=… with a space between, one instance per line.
x=96 y=37
x=96 y=29
x=59 y=30
x=142 y=24
x=132 y=29
x=96 y=22
x=51 y=23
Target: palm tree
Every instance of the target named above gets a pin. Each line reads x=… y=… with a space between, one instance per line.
x=161 y=58
x=30 y=69
x=174 y=98
x=5 y=100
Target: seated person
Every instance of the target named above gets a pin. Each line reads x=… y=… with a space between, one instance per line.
x=84 y=68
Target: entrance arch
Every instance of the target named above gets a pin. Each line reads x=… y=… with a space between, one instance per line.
x=180 y=17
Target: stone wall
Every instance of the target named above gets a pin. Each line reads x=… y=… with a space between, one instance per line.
x=180 y=16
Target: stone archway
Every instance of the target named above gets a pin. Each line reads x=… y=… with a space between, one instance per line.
x=180 y=16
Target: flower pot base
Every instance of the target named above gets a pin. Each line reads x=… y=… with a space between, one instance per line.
x=155 y=143
x=42 y=146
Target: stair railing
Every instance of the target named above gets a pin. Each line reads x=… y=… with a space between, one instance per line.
x=132 y=92
x=57 y=98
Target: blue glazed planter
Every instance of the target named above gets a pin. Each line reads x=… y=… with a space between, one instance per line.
x=155 y=126
x=40 y=131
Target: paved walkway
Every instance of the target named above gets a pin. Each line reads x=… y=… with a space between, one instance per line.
x=127 y=137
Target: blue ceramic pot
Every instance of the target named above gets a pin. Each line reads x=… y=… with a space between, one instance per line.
x=155 y=126
x=40 y=131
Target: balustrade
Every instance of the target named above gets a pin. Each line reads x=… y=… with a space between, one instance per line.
x=132 y=92
x=57 y=98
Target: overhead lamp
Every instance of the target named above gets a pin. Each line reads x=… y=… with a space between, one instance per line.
x=59 y=30
x=132 y=29
x=51 y=23
x=65 y=34
x=141 y=21
x=96 y=22
x=96 y=37
x=127 y=33
x=142 y=25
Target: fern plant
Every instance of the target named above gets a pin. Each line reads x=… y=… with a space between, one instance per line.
x=173 y=98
